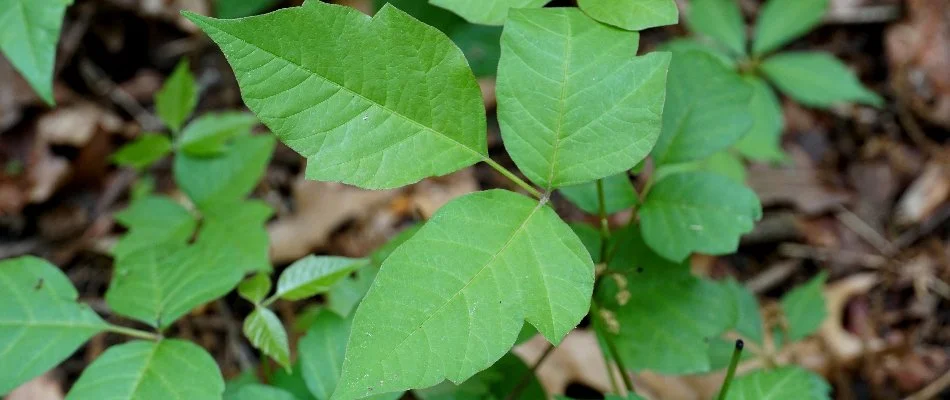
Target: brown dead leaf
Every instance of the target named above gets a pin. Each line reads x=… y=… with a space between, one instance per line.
x=43 y=387
x=431 y=194
x=924 y=196
x=73 y=125
x=918 y=51
x=798 y=186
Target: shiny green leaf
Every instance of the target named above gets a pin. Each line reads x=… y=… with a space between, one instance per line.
x=143 y=151
x=781 y=21
x=817 y=79
x=764 y=140
x=208 y=134
x=29 y=31
x=804 y=308
x=265 y=332
x=486 y=12
x=211 y=182
x=177 y=98
x=632 y=15
x=313 y=275
x=787 y=383
x=255 y=288
x=720 y=20
x=619 y=194
x=153 y=221
x=256 y=391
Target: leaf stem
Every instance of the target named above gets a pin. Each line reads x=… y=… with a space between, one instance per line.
x=604 y=224
x=627 y=382
x=512 y=177
x=731 y=373
x=526 y=377
x=134 y=333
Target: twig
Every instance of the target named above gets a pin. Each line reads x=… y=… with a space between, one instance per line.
x=235 y=344
x=795 y=250
x=865 y=231
x=773 y=275
x=98 y=81
x=526 y=377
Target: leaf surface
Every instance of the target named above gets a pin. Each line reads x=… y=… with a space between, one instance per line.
x=208 y=134
x=697 y=212
x=265 y=331
x=764 y=140
x=29 y=31
x=632 y=15
x=375 y=102
x=321 y=353
x=41 y=324
x=787 y=383
x=313 y=275
x=706 y=109
x=720 y=20
x=486 y=12
x=817 y=79
x=153 y=221
x=255 y=391
x=452 y=299
x=574 y=102
x=236 y=231
x=241 y=8
x=177 y=98
x=496 y=382
x=781 y=21
x=748 y=319
x=619 y=194
x=213 y=181
x=140 y=370
x=143 y=151
x=255 y=288
x=804 y=308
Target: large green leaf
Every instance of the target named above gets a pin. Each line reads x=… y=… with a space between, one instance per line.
x=764 y=140
x=375 y=102
x=697 y=212
x=152 y=221
x=633 y=15
x=495 y=383
x=139 y=370
x=659 y=315
x=451 y=300
x=707 y=109
x=29 y=31
x=347 y=293
x=177 y=98
x=438 y=17
x=486 y=12
x=788 y=383
x=804 y=308
x=144 y=151
x=212 y=181
x=313 y=275
x=748 y=319
x=817 y=79
x=574 y=103
x=41 y=323
x=237 y=230
x=255 y=391
x=782 y=21
x=619 y=194
x=720 y=20
x=208 y=134
x=265 y=331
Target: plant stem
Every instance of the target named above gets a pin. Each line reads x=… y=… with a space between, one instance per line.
x=610 y=369
x=134 y=333
x=526 y=377
x=627 y=382
x=512 y=177
x=604 y=224
x=731 y=373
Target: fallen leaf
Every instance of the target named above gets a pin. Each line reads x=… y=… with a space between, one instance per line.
x=928 y=192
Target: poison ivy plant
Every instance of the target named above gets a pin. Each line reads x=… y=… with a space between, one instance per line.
x=804 y=308
x=487 y=12
x=781 y=384
x=632 y=15
x=177 y=98
x=619 y=194
x=29 y=32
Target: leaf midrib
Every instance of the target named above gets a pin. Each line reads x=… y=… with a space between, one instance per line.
x=354 y=93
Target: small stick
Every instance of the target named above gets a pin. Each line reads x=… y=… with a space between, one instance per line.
x=731 y=373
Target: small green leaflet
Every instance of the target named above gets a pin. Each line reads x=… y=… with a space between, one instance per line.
x=683 y=45
x=265 y=331
x=496 y=382
x=706 y=109
x=255 y=288
x=817 y=79
x=720 y=20
x=29 y=31
x=236 y=230
x=804 y=308
x=210 y=182
x=486 y=12
x=764 y=140
x=659 y=314
x=177 y=98
x=781 y=21
x=41 y=324
x=241 y=8
x=619 y=194
x=724 y=163
x=208 y=134
x=590 y=237
x=313 y=275
x=255 y=391
x=389 y=101
x=144 y=151
x=347 y=293
x=291 y=382
x=140 y=370
x=438 y=17
x=787 y=383
x=697 y=212
x=748 y=319
x=152 y=221
x=632 y=15
x=574 y=103
x=452 y=299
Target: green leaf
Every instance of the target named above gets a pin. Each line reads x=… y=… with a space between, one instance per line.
x=210 y=182
x=697 y=212
x=153 y=221
x=632 y=15
x=255 y=288
x=817 y=79
x=384 y=251
x=291 y=381
x=727 y=164
x=378 y=108
x=486 y=12
x=481 y=47
x=684 y=45
x=177 y=98
x=782 y=21
x=41 y=324
x=720 y=353
x=804 y=308
x=720 y=20
x=257 y=391
x=496 y=382
x=764 y=140
x=706 y=109
x=659 y=315
x=29 y=31
x=139 y=370
x=144 y=151
x=241 y=8
x=265 y=331
x=574 y=103
x=787 y=383
x=235 y=384
x=313 y=275
x=236 y=231
x=438 y=17
x=590 y=236
x=347 y=293
x=491 y=261
x=748 y=319
x=619 y=194
x=208 y=134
